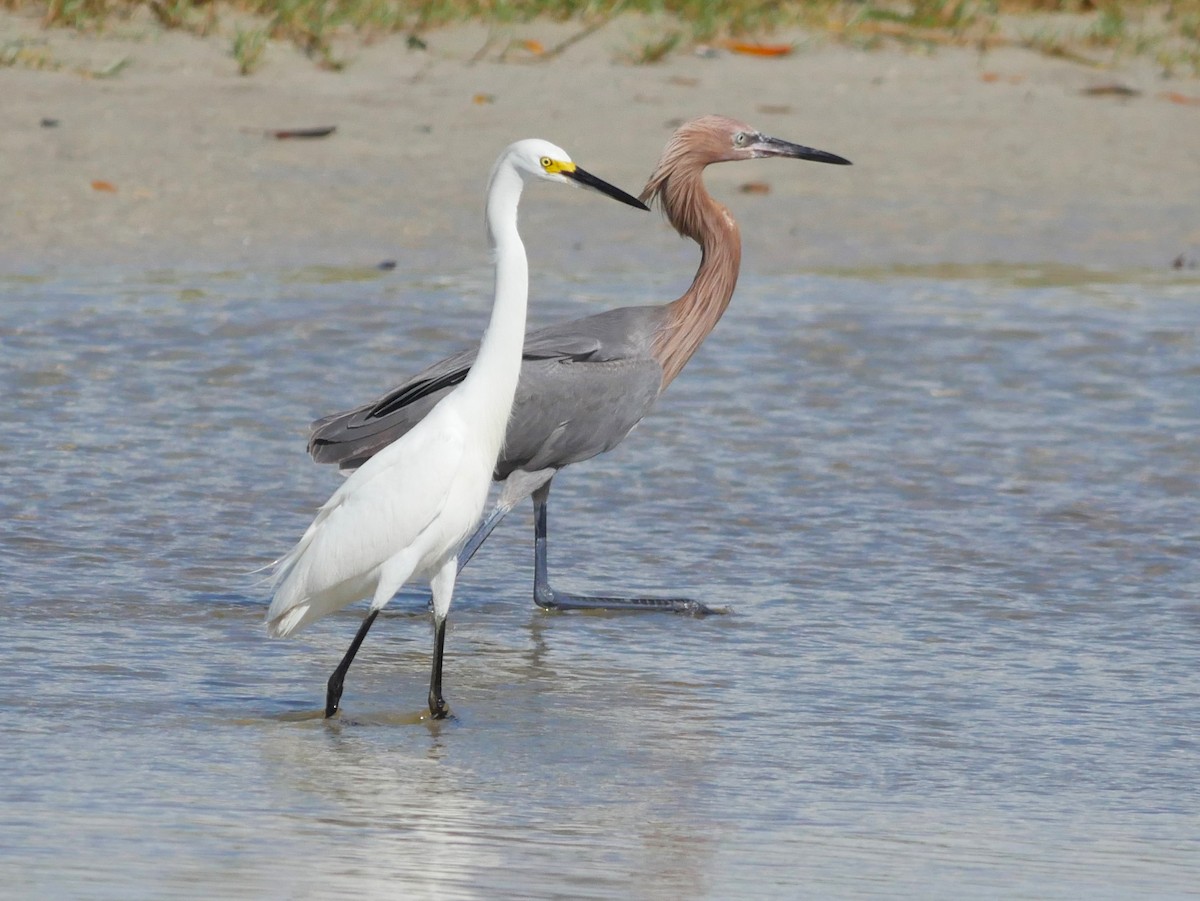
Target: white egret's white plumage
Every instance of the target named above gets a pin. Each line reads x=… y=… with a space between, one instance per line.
x=405 y=513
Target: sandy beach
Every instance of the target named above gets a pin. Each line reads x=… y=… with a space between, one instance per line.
x=959 y=157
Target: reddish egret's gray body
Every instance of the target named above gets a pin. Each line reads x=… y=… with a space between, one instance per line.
x=585 y=384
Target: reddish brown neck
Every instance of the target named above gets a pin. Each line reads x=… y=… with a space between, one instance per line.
x=690 y=319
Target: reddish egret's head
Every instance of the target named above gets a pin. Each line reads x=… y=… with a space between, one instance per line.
x=679 y=189
x=717 y=139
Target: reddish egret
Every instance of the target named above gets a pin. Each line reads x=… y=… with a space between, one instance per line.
x=407 y=510
x=586 y=383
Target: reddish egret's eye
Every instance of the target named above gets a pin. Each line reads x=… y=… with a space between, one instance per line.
x=740 y=139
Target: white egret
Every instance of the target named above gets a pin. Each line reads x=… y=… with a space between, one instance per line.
x=406 y=512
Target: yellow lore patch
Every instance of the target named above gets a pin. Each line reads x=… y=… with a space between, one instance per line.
x=554 y=167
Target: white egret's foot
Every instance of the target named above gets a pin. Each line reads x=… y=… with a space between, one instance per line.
x=438 y=708
x=333 y=694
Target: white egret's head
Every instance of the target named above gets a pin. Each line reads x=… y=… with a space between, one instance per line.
x=535 y=158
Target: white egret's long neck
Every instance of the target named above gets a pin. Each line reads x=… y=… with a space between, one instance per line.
x=492 y=381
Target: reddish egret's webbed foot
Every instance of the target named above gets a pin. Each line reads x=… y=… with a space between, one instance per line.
x=549 y=599
x=543 y=594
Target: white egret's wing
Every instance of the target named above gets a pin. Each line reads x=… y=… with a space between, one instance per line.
x=378 y=512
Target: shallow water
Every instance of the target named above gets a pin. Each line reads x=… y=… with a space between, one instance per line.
x=957 y=516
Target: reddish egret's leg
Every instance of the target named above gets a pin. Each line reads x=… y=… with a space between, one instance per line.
x=479 y=536
x=333 y=693
x=517 y=486
x=546 y=597
x=537 y=484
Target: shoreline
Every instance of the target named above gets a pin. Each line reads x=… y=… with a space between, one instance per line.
x=960 y=158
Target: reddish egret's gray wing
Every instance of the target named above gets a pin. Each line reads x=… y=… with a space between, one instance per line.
x=352 y=437
x=584 y=384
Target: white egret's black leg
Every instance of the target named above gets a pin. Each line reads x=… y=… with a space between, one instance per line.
x=442 y=585
x=333 y=694
x=437 y=704
x=549 y=599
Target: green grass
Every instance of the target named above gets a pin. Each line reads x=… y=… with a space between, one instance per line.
x=1165 y=30
x=248 y=48
x=26 y=54
x=654 y=49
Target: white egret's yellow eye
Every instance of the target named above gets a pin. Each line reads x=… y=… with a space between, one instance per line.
x=547 y=163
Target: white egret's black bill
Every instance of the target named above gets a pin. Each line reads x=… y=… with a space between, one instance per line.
x=585 y=178
x=765 y=145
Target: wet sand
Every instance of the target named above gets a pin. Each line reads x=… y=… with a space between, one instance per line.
x=960 y=157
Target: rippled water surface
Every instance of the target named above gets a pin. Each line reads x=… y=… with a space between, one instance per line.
x=958 y=520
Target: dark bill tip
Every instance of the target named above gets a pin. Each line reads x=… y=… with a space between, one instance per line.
x=585 y=178
x=768 y=146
